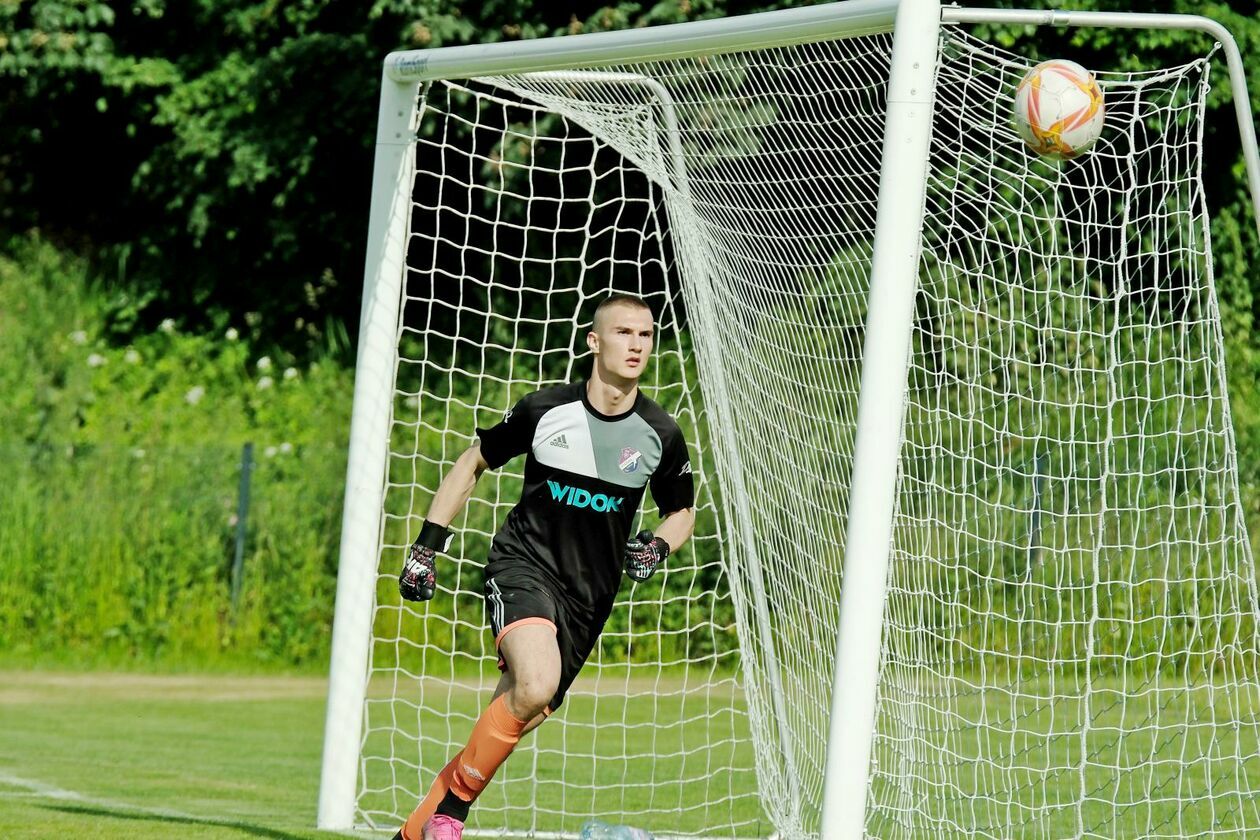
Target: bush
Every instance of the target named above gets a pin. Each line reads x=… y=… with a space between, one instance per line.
x=118 y=531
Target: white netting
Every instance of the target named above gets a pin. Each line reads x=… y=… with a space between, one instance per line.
x=516 y=235
x=1070 y=640
x=531 y=202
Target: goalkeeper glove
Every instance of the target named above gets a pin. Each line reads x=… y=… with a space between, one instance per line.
x=418 y=580
x=643 y=554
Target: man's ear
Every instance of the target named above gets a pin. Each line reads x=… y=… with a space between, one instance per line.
x=592 y=341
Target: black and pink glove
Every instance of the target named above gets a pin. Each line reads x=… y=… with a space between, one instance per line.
x=418 y=580
x=644 y=553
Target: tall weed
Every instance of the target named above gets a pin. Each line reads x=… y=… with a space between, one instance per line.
x=119 y=513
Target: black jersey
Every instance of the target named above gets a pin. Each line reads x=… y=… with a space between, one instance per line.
x=584 y=478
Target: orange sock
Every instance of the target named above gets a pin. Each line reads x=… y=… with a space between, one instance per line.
x=412 y=829
x=493 y=738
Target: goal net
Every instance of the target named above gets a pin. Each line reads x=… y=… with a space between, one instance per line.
x=1070 y=637
x=1070 y=642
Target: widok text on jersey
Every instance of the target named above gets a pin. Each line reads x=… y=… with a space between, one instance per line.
x=579 y=498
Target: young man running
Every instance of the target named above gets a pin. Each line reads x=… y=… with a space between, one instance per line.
x=555 y=566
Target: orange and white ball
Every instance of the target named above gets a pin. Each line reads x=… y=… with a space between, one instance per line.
x=1059 y=109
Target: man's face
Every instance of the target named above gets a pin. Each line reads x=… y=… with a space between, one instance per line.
x=621 y=339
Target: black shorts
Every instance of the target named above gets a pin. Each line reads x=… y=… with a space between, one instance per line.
x=517 y=595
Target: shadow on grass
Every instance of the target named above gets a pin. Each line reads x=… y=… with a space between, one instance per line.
x=126 y=814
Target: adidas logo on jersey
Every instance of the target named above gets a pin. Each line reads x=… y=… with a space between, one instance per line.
x=559 y=441
x=579 y=498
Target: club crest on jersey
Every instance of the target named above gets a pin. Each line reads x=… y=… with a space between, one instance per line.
x=629 y=461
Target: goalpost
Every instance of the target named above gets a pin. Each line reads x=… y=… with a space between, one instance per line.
x=971 y=557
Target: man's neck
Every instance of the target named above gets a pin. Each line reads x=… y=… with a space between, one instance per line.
x=609 y=397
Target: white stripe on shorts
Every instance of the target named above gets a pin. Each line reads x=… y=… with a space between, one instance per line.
x=496 y=608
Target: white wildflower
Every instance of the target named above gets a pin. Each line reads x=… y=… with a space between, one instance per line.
x=231 y=334
x=286 y=448
x=290 y=373
x=265 y=383
x=270 y=452
x=95 y=360
x=264 y=363
x=78 y=337
x=194 y=395
x=167 y=325
x=137 y=453
x=131 y=357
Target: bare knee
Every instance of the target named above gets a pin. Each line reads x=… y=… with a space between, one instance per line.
x=533 y=660
x=529 y=695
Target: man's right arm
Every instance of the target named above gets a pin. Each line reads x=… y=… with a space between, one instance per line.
x=418 y=580
x=455 y=490
x=496 y=446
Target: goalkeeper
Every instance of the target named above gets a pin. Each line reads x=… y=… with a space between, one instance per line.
x=555 y=566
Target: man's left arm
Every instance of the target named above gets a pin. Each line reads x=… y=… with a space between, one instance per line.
x=673 y=489
x=646 y=551
x=677 y=527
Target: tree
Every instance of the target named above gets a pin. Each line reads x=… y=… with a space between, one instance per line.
x=217 y=154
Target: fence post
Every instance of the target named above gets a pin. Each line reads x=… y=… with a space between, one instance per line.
x=242 y=517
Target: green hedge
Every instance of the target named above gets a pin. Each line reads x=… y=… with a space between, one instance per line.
x=122 y=465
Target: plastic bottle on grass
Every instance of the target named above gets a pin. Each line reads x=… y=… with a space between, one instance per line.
x=596 y=830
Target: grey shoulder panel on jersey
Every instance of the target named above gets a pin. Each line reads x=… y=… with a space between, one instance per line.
x=627 y=450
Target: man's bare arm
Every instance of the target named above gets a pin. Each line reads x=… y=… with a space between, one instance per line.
x=457 y=487
x=677 y=527
x=418 y=580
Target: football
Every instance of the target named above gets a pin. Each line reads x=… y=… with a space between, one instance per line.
x=1059 y=109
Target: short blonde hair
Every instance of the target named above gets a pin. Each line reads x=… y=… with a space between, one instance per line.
x=622 y=298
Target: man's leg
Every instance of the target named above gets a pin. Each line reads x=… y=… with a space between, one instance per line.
x=533 y=672
x=527 y=686
x=505 y=683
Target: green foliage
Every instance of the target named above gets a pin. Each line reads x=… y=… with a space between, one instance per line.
x=228 y=143
x=219 y=154
x=118 y=530
x=214 y=160
x=1234 y=237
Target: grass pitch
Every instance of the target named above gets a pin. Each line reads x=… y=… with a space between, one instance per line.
x=125 y=756
x=120 y=756
x=131 y=756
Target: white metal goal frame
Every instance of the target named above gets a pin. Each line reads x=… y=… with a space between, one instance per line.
x=915 y=25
